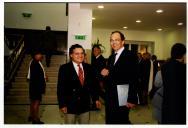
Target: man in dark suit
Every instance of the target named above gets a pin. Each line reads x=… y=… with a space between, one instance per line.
x=76 y=86
x=122 y=70
x=174 y=87
x=49 y=44
x=98 y=62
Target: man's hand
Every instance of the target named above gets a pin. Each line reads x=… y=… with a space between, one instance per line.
x=98 y=104
x=64 y=110
x=130 y=105
x=105 y=72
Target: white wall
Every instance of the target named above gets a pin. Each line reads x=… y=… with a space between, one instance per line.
x=104 y=37
x=43 y=14
x=79 y=23
x=163 y=40
x=172 y=37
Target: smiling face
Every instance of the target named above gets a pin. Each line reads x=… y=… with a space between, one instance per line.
x=96 y=51
x=116 y=41
x=77 y=55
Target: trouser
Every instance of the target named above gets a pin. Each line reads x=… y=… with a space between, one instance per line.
x=48 y=58
x=118 y=116
x=82 y=118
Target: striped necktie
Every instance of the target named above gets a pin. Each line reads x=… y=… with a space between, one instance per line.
x=81 y=75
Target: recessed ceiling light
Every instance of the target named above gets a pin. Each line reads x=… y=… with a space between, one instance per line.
x=138 y=21
x=125 y=27
x=159 y=29
x=159 y=11
x=180 y=24
x=100 y=6
x=93 y=18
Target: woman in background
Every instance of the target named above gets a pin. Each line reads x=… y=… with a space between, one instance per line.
x=37 y=84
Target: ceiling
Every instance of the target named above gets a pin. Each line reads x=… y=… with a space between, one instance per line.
x=118 y=15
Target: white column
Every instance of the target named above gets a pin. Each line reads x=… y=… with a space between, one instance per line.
x=80 y=23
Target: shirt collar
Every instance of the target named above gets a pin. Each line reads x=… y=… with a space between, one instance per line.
x=97 y=56
x=76 y=65
x=120 y=51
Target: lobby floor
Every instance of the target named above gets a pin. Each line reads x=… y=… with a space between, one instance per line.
x=50 y=114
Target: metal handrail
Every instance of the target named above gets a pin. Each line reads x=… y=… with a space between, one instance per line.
x=14 y=57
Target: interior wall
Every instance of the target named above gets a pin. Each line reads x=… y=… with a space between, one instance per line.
x=172 y=37
x=104 y=36
x=43 y=14
x=163 y=41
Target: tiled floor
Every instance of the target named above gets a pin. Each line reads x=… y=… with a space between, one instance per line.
x=17 y=114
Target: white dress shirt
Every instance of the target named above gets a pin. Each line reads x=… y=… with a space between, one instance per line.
x=118 y=54
x=77 y=68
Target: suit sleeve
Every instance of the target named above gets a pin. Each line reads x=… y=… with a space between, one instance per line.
x=94 y=89
x=132 y=96
x=61 y=95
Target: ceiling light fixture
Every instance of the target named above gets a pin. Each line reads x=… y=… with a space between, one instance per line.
x=159 y=11
x=93 y=18
x=100 y=6
x=179 y=24
x=138 y=21
x=159 y=29
x=125 y=27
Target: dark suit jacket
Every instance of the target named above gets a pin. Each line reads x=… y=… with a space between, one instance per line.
x=174 y=95
x=125 y=71
x=37 y=82
x=98 y=64
x=71 y=94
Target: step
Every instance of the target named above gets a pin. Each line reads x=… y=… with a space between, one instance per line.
x=50 y=74
x=47 y=71
x=49 y=92
x=46 y=68
x=25 y=100
x=51 y=65
x=26 y=84
x=51 y=79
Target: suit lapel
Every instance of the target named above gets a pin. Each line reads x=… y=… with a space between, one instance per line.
x=85 y=72
x=74 y=73
x=119 y=59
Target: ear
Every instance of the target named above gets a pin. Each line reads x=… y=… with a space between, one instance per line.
x=123 y=42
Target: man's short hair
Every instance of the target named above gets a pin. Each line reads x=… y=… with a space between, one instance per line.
x=48 y=28
x=121 y=35
x=74 y=47
x=178 y=50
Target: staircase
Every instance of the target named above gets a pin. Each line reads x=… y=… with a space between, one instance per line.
x=19 y=93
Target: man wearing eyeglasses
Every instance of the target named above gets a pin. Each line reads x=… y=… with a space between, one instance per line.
x=121 y=81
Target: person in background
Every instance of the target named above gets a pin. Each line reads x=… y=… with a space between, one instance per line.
x=158 y=97
x=49 y=44
x=140 y=86
x=122 y=70
x=37 y=83
x=174 y=87
x=146 y=77
x=98 y=62
x=155 y=70
x=76 y=87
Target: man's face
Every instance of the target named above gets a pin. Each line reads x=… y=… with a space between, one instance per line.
x=78 y=55
x=116 y=42
x=39 y=57
x=96 y=52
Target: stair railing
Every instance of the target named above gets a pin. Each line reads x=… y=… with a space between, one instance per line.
x=13 y=61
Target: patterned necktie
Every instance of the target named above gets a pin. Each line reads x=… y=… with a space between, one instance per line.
x=81 y=75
